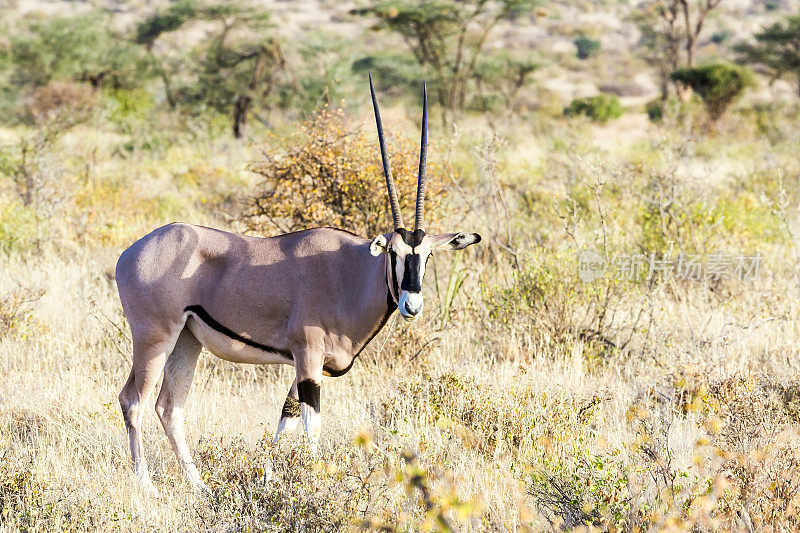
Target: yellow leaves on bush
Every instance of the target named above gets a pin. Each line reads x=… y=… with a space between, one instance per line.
x=14 y=316
x=67 y=102
x=19 y=490
x=330 y=175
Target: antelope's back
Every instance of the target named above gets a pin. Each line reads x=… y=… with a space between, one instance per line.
x=262 y=281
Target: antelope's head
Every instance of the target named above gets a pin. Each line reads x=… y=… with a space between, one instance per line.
x=407 y=252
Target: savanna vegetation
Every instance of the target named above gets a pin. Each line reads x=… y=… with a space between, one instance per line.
x=652 y=386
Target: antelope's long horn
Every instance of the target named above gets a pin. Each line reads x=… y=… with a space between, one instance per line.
x=387 y=172
x=423 y=149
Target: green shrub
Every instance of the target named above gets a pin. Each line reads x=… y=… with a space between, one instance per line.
x=129 y=107
x=599 y=108
x=655 y=110
x=583 y=490
x=77 y=48
x=718 y=85
x=547 y=303
x=586 y=47
x=721 y=36
x=18 y=227
x=487 y=103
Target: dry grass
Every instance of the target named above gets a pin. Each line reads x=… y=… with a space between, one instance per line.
x=524 y=399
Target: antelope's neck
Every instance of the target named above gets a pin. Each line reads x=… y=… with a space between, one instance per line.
x=377 y=303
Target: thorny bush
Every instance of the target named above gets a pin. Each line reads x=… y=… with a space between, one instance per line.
x=331 y=175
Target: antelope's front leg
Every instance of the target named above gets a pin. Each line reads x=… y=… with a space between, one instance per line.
x=308 y=367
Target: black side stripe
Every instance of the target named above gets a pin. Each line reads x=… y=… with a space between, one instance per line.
x=202 y=314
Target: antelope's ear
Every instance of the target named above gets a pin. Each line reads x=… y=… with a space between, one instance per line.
x=454 y=241
x=378 y=245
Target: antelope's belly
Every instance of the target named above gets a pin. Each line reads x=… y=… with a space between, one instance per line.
x=235 y=350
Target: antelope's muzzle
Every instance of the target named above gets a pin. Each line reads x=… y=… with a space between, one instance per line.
x=410 y=304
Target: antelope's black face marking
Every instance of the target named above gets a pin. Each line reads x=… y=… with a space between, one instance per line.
x=412 y=238
x=408 y=253
x=411 y=281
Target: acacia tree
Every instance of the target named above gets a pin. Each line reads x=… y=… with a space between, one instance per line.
x=448 y=37
x=234 y=68
x=149 y=30
x=237 y=71
x=82 y=48
x=671 y=30
x=718 y=84
x=776 y=47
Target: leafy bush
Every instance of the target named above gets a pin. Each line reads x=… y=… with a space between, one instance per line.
x=333 y=177
x=674 y=217
x=586 y=47
x=13 y=313
x=599 y=108
x=655 y=110
x=63 y=101
x=583 y=490
x=18 y=226
x=265 y=488
x=775 y=47
x=80 y=48
x=719 y=85
x=548 y=303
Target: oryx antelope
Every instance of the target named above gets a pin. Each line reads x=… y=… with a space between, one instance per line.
x=312 y=299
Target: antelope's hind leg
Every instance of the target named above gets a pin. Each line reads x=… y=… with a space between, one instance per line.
x=178 y=375
x=149 y=354
x=290 y=414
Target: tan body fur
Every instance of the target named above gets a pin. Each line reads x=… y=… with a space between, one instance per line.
x=291 y=293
